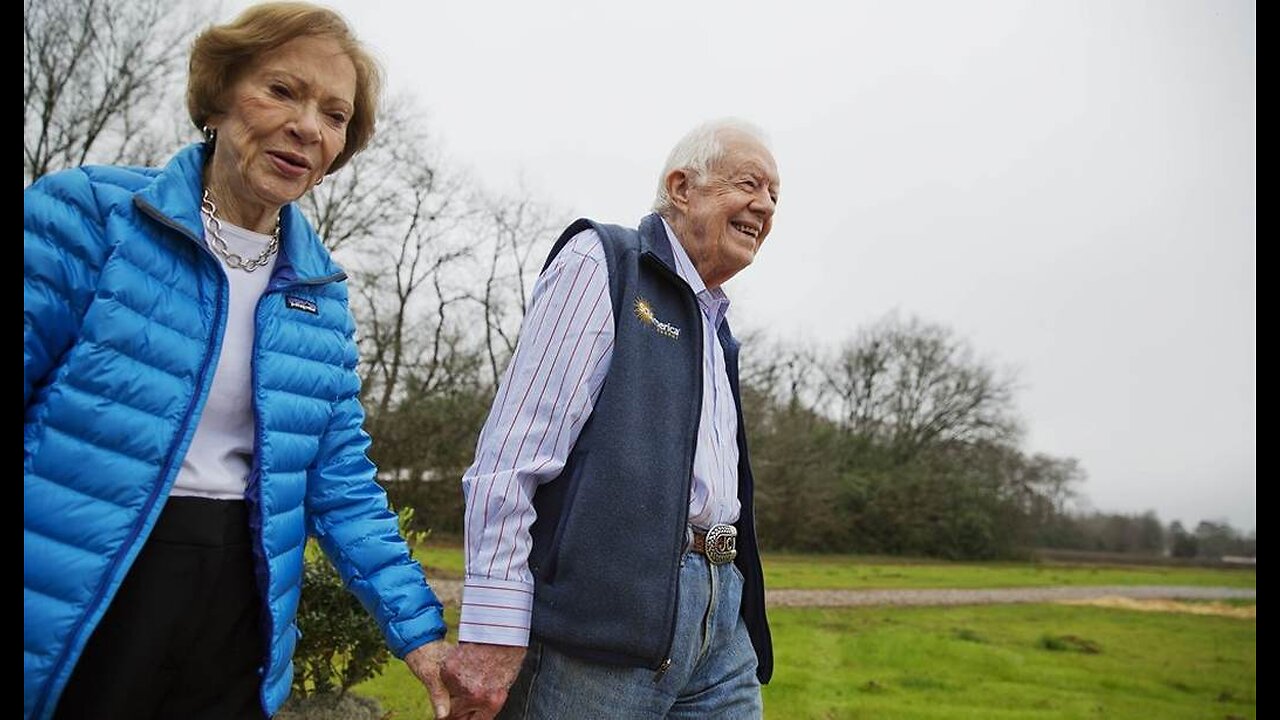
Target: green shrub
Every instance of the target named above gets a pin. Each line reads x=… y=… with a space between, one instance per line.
x=341 y=645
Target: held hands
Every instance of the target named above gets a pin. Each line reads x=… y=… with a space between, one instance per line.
x=478 y=676
x=425 y=662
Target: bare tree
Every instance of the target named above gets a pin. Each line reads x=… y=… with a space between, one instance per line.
x=97 y=79
x=912 y=384
x=397 y=221
x=782 y=373
x=438 y=273
x=1046 y=484
x=512 y=228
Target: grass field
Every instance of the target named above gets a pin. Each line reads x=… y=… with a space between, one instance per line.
x=980 y=662
x=1011 y=661
x=784 y=570
x=975 y=662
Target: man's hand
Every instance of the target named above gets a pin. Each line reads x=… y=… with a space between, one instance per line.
x=425 y=662
x=478 y=676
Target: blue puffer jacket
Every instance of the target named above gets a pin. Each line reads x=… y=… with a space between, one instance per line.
x=123 y=316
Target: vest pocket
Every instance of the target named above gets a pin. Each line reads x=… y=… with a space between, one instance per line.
x=561 y=495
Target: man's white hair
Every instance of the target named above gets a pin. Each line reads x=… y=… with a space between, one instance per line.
x=697 y=152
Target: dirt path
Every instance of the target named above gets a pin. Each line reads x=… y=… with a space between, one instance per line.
x=849 y=598
x=450 y=592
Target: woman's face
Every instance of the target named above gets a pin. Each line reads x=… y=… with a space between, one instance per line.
x=286 y=120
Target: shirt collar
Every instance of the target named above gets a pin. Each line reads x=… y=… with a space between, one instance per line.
x=713 y=301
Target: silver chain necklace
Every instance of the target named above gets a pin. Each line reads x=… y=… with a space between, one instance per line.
x=219 y=245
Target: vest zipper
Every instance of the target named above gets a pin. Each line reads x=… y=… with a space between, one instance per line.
x=665 y=665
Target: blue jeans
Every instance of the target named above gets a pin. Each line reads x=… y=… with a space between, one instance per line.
x=712 y=672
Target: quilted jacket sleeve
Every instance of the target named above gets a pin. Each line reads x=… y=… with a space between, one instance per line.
x=63 y=248
x=347 y=511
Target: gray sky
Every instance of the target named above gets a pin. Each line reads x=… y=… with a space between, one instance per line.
x=1071 y=186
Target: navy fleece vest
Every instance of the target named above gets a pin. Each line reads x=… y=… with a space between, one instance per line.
x=610 y=529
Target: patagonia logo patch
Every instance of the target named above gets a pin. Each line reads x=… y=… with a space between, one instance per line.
x=644 y=312
x=293 y=302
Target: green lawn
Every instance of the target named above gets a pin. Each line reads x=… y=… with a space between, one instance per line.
x=785 y=570
x=441 y=560
x=993 y=661
x=984 y=662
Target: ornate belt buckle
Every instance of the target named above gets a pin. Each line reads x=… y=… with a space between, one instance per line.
x=722 y=544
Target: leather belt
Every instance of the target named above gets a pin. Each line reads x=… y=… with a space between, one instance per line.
x=719 y=543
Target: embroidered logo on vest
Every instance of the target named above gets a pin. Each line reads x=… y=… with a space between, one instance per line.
x=293 y=302
x=644 y=311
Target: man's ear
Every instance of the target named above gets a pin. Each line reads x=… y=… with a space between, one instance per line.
x=679 y=184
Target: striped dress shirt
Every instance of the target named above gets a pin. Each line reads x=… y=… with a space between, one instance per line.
x=545 y=397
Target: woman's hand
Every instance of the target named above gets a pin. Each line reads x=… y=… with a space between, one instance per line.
x=425 y=663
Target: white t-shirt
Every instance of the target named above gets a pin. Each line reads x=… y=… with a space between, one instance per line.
x=221 y=454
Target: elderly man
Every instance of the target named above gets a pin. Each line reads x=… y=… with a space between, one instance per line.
x=610 y=528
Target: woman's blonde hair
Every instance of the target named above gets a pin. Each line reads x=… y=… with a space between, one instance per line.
x=221 y=55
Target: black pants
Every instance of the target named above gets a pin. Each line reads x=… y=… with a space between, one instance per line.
x=182 y=638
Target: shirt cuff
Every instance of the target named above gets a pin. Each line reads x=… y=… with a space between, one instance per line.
x=495 y=612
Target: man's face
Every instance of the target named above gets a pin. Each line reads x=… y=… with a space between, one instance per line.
x=723 y=218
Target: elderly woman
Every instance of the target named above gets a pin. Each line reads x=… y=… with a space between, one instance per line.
x=191 y=404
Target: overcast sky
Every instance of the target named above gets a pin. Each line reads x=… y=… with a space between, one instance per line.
x=1070 y=186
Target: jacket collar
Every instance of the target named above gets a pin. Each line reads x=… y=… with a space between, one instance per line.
x=176 y=192
x=654 y=242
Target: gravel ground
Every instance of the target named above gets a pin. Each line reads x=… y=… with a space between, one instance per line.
x=846 y=598
x=450 y=593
